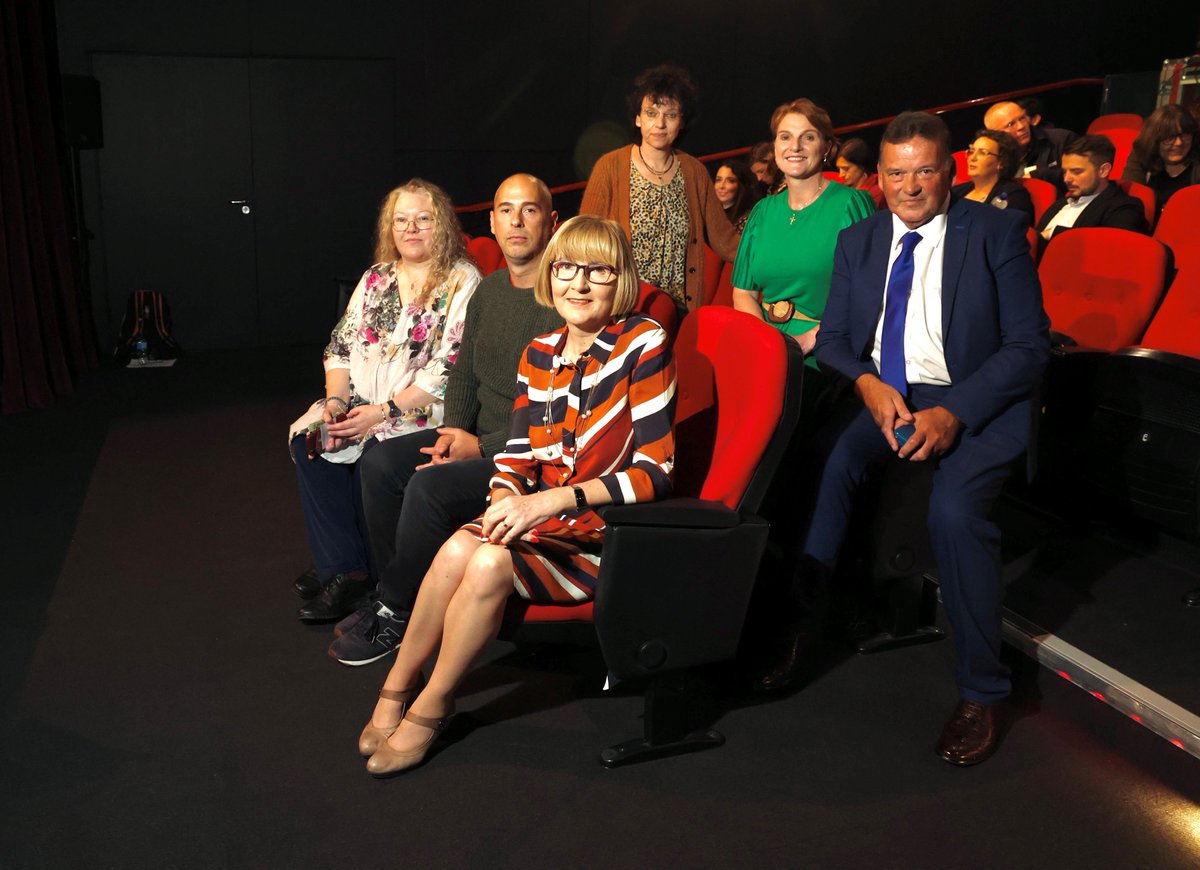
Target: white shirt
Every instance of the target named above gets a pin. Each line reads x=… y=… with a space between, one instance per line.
x=924 y=357
x=1068 y=214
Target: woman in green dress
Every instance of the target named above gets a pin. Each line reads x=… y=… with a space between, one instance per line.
x=785 y=260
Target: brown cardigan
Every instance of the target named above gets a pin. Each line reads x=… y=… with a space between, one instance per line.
x=607 y=196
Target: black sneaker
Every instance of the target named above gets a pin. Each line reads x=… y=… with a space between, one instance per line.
x=367 y=605
x=378 y=633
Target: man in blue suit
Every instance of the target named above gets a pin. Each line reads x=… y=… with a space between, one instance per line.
x=935 y=313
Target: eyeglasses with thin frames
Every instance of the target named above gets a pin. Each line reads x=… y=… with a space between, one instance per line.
x=421 y=222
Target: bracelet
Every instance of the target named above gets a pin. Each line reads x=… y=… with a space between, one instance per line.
x=482 y=455
x=345 y=404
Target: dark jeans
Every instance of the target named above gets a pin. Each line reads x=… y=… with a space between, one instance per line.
x=412 y=513
x=331 y=499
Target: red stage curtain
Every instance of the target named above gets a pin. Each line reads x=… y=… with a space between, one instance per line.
x=46 y=333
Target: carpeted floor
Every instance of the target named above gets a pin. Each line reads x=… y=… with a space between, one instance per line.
x=163 y=708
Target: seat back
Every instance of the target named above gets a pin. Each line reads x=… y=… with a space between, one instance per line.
x=1043 y=194
x=1142 y=192
x=1100 y=285
x=486 y=253
x=1116 y=121
x=1177 y=227
x=833 y=176
x=724 y=293
x=733 y=372
x=660 y=307
x=1123 y=140
x=960 y=167
x=1176 y=325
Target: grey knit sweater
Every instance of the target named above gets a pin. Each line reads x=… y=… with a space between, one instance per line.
x=501 y=321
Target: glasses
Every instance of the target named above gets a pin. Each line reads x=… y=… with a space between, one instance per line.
x=653 y=115
x=595 y=273
x=421 y=222
x=983 y=152
x=1170 y=140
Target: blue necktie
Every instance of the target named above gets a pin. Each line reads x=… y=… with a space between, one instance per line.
x=891 y=345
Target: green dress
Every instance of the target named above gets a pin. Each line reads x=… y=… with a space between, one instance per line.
x=793 y=260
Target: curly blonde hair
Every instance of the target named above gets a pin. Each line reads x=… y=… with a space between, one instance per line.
x=448 y=245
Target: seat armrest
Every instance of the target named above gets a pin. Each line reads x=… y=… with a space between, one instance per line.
x=688 y=513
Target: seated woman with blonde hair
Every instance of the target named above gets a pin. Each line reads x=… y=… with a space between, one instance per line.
x=386 y=368
x=592 y=425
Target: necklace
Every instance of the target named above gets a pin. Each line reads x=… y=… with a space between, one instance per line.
x=657 y=174
x=581 y=363
x=803 y=206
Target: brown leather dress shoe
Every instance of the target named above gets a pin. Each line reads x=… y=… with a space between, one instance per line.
x=971 y=735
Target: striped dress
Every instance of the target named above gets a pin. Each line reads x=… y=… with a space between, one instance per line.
x=609 y=415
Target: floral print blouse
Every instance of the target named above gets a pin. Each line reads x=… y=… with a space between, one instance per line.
x=388 y=346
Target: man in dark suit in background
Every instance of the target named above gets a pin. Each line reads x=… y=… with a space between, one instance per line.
x=951 y=361
x=1043 y=146
x=1092 y=200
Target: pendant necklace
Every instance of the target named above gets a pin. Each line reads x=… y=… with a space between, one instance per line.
x=803 y=206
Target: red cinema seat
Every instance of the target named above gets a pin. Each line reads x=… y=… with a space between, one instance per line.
x=712 y=273
x=1176 y=325
x=1043 y=194
x=676 y=575
x=1100 y=285
x=1142 y=192
x=1116 y=121
x=960 y=167
x=660 y=307
x=1179 y=227
x=1123 y=140
x=486 y=253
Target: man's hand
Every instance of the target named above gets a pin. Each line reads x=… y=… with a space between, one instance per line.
x=885 y=405
x=453 y=445
x=936 y=431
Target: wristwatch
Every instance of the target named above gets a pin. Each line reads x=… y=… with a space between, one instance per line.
x=393 y=409
x=580 y=498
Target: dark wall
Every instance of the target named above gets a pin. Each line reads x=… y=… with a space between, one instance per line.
x=482 y=90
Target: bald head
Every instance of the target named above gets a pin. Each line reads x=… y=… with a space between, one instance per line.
x=522 y=220
x=1009 y=118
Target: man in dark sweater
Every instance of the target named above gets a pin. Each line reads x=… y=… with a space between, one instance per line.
x=419 y=488
x=1043 y=146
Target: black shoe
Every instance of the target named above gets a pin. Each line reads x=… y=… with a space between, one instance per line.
x=307 y=585
x=1192 y=599
x=339 y=598
x=378 y=633
x=803 y=635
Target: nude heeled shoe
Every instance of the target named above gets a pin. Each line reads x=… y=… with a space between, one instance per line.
x=372 y=738
x=388 y=762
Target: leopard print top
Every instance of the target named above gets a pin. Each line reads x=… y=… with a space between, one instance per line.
x=659 y=225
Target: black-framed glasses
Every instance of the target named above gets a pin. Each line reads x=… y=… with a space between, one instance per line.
x=402 y=222
x=1170 y=140
x=595 y=273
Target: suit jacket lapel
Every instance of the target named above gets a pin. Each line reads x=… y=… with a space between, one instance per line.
x=878 y=252
x=958 y=224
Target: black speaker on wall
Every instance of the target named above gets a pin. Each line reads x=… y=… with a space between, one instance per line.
x=81 y=112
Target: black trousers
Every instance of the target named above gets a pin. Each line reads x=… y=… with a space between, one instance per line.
x=411 y=513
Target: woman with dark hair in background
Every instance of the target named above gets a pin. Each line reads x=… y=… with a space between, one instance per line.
x=592 y=425
x=1166 y=154
x=856 y=167
x=661 y=197
x=762 y=164
x=994 y=169
x=385 y=375
x=737 y=190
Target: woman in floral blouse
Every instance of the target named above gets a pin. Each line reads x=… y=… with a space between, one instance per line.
x=385 y=375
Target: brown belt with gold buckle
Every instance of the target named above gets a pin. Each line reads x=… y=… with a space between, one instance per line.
x=784 y=311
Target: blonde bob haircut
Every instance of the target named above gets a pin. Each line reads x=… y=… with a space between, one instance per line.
x=588 y=239
x=447 y=244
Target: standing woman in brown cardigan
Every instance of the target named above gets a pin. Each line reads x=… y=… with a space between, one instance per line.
x=661 y=197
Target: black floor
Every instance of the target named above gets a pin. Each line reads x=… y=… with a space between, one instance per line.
x=162 y=707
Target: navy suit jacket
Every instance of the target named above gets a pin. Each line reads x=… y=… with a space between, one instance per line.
x=995 y=333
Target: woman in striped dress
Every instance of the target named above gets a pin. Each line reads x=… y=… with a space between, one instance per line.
x=592 y=425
